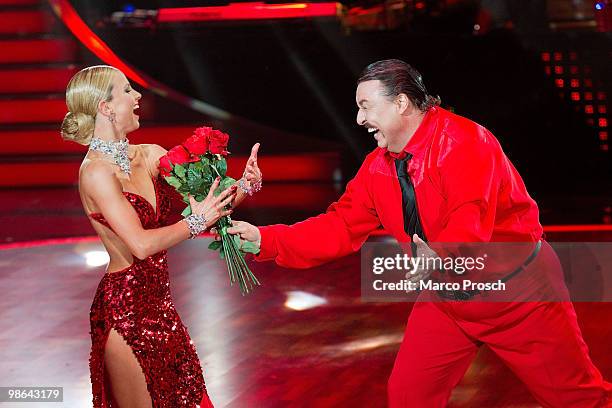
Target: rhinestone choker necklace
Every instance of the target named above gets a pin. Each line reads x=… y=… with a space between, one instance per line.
x=117 y=150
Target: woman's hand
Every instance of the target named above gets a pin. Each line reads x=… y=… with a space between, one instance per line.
x=213 y=208
x=251 y=178
x=252 y=174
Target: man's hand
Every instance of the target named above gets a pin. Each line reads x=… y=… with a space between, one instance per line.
x=422 y=250
x=247 y=232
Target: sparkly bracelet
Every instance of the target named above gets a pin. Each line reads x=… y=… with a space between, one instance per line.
x=254 y=188
x=196 y=224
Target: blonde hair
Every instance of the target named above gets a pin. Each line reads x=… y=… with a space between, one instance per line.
x=85 y=90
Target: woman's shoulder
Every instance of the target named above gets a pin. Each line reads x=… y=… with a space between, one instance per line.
x=152 y=151
x=152 y=154
x=98 y=178
x=93 y=167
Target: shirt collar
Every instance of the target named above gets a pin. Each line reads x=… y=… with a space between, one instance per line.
x=417 y=143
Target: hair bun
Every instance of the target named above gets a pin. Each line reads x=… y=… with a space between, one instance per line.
x=78 y=127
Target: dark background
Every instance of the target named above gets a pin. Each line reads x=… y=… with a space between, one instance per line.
x=300 y=75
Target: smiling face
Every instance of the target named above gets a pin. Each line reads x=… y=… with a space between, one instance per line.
x=123 y=104
x=381 y=115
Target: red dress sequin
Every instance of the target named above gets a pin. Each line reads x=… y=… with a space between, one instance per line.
x=137 y=303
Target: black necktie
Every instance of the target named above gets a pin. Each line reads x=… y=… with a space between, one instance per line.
x=412 y=223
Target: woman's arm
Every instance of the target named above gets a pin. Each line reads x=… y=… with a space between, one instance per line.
x=341 y=230
x=99 y=183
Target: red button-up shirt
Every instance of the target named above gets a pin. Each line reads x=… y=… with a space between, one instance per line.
x=466 y=190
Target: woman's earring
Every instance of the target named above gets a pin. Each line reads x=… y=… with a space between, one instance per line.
x=111 y=117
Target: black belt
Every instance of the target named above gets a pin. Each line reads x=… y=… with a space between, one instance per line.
x=468 y=294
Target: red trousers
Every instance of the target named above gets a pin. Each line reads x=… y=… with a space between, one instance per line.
x=539 y=341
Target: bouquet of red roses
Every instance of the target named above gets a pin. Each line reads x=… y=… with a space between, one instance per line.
x=191 y=168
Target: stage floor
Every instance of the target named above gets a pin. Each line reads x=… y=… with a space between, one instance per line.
x=303 y=339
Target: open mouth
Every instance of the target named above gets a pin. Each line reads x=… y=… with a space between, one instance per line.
x=136 y=107
x=373 y=131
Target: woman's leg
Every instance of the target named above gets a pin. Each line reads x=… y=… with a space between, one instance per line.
x=128 y=383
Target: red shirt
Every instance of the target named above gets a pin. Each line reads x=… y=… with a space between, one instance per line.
x=466 y=190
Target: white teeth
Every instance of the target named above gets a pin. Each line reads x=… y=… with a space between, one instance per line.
x=372 y=130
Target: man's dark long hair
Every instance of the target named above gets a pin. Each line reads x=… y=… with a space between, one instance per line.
x=399 y=77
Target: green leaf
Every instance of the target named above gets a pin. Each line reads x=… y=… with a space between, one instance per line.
x=179 y=170
x=194 y=174
x=195 y=185
x=208 y=178
x=215 y=245
x=184 y=189
x=187 y=211
x=221 y=166
x=226 y=183
x=250 y=247
x=173 y=181
x=197 y=166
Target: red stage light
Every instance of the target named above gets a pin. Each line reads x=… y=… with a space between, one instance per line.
x=248 y=11
x=37 y=51
x=38 y=79
x=575 y=96
x=73 y=21
x=559 y=83
x=588 y=109
x=25 y=22
x=546 y=56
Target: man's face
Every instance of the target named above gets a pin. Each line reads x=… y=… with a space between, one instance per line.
x=379 y=114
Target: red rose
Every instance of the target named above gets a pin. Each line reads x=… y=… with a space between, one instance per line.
x=203 y=131
x=178 y=155
x=198 y=143
x=218 y=142
x=164 y=166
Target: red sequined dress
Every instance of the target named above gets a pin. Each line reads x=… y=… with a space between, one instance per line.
x=136 y=302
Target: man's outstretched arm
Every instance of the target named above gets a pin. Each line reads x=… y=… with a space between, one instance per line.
x=341 y=230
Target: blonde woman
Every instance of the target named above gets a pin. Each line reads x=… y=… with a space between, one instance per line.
x=142 y=355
